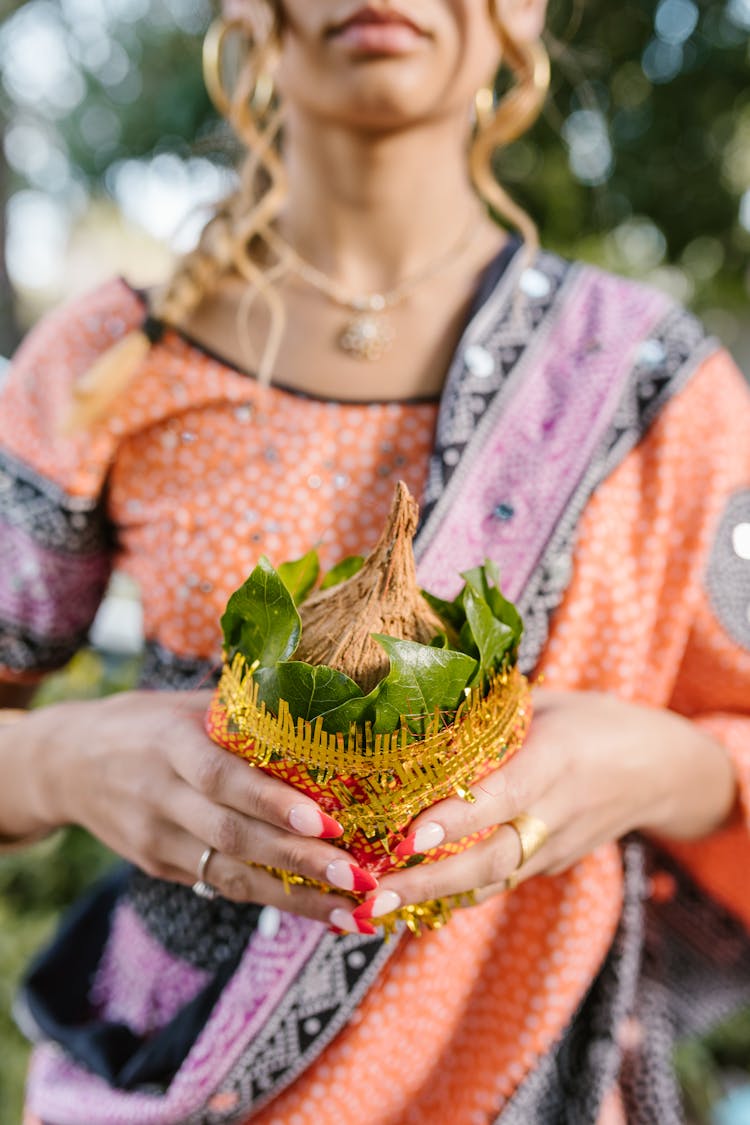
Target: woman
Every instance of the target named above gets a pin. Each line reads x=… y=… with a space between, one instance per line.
x=576 y=428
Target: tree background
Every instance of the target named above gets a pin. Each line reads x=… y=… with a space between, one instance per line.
x=640 y=163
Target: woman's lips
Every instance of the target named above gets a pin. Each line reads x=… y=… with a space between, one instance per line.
x=371 y=31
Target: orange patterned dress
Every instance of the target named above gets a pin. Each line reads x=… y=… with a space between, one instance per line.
x=195 y=473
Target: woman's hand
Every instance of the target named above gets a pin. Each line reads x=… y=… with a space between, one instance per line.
x=593 y=768
x=138 y=771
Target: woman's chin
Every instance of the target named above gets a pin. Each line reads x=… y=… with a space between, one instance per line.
x=382 y=95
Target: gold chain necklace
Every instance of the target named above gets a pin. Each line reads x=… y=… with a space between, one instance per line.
x=368 y=334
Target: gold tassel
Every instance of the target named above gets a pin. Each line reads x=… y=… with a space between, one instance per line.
x=104 y=381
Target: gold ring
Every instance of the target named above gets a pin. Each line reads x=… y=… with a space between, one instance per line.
x=532 y=833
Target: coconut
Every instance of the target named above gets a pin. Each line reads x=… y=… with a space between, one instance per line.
x=382 y=597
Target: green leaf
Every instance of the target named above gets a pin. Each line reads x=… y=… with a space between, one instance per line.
x=493 y=638
x=261 y=620
x=481 y=579
x=309 y=691
x=466 y=641
x=300 y=576
x=451 y=612
x=341 y=571
x=421 y=680
x=355 y=711
x=485 y=582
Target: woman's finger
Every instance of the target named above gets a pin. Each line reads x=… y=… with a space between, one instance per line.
x=483 y=869
x=501 y=795
x=249 y=840
x=227 y=780
x=240 y=882
x=486 y=863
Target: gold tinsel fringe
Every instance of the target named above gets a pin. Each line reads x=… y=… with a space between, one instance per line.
x=419 y=916
x=381 y=781
x=393 y=778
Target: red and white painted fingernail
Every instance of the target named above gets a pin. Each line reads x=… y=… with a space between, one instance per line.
x=426 y=836
x=349 y=877
x=309 y=821
x=345 y=920
x=383 y=903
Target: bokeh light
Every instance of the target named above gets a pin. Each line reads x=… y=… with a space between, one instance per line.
x=641 y=163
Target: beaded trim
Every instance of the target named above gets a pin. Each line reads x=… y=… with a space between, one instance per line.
x=54 y=565
x=313 y=1012
x=164 y=670
x=728 y=572
x=204 y=934
x=56 y=520
x=676 y=348
x=503 y=328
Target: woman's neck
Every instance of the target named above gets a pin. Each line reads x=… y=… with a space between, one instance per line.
x=370 y=213
x=372 y=210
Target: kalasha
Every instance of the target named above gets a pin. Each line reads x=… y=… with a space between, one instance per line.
x=371 y=696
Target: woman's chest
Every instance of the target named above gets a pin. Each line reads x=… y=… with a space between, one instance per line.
x=198 y=498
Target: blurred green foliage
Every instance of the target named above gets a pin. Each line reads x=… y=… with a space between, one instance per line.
x=35 y=885
x=704 y=1064
x=640 y=161
x=38 y=882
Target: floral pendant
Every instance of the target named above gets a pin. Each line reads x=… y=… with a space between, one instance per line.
x=367 y=336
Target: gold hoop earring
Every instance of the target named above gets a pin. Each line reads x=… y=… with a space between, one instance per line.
x=500 y=123
x=214 y=44
x=512 y=115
